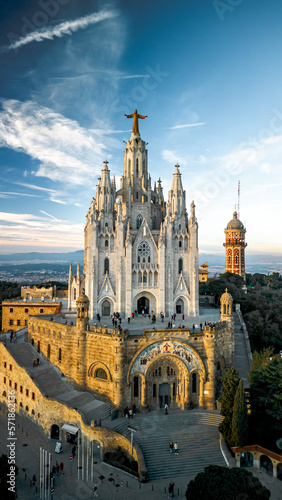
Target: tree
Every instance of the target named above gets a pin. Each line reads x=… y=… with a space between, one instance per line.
x=266 y=403
x=230 y=382
x=239 y=434
x=262 y=357
x=220 y=482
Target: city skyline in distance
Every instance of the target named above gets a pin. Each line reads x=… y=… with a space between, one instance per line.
x=209 y=81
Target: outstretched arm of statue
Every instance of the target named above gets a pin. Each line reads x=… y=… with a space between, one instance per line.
x=141 y=116
x=128 y=116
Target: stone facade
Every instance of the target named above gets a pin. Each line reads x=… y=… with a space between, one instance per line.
x=15 y=313
x=140 y=251
x=174 y=366
x=235 y=247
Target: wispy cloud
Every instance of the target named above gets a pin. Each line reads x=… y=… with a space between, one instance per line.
x=65 y=150
x=49 y=215
x=173 y=157
x=8 y=194
x=129 y=77
x=39 y=231
x=185 y=125
x=64 y=28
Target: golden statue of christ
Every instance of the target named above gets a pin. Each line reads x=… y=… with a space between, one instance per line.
x=135 y=116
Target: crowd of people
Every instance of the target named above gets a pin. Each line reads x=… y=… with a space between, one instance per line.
x=130 y=412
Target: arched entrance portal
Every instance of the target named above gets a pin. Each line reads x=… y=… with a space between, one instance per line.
x=106 y=308
x=55 y=432
x=164 y=394
x=166 y=382
x=179 y=307
x=143 y=304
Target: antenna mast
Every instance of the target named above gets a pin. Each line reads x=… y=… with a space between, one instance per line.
x=239 y=192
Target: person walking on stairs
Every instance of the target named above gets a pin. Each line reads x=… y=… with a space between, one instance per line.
x=176 y=448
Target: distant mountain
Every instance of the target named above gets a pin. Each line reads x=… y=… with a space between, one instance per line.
x=36 y=257
x=255 y=263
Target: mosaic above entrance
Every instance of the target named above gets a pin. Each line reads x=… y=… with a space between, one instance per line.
x=178 y=349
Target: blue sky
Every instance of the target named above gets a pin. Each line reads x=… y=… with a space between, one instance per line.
x=208 y=75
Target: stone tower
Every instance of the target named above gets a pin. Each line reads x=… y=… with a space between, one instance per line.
x=235 y=247
x=141 y=253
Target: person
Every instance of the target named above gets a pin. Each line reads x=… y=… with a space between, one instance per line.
x=182 y=317
x=33 y=480
x=166 y=409
x=38 y=361
x=15 y=337
x=171 y=447
x=57 y=468
x=62 y=467
x=128 y=319
x=11 y=337
x=130 y=413
x=34 y=362
x=73 y=450
x=171 y=490
x=95 y=494
x=176 y=448
x=126 y=412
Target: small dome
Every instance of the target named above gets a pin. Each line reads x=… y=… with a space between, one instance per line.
x=82 y=298
x=226 y=296
x=235 y=223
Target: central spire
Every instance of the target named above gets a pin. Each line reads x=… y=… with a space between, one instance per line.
x=135 y=126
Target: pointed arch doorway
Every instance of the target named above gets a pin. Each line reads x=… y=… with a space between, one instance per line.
x=143 y=304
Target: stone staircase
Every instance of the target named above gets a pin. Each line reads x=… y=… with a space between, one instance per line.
x=52 y=385
x=196 y=433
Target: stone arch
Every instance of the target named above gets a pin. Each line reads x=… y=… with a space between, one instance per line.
x=266 y=464
x=102 y=300
x=95 y=366
x=162 y=352
x=55 y=432
x=153 y=303
x=184 y=302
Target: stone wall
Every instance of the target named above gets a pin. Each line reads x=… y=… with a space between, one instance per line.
x=47 y=412
x=36 y=292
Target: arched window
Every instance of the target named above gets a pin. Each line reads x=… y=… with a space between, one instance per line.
x=106 y=266
x=137 y=168
x=229 y=260
x=60 y=354
x=236 y=241
x=129 y=167
x=101 y=373
x=48 y=351
x=154 y=222
x=107 y=244
x=154 y=390
x=180 y=266
x=139 y=220
x=143 y=251
x=149 y=259
x=135 y=387
x=160 y=371
x=137 y=195
x=236 y=259
x=168 y=371
x=194 y=382
x=74 y=294
x=180 y=244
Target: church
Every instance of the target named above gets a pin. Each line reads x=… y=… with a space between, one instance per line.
x=140 y=251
